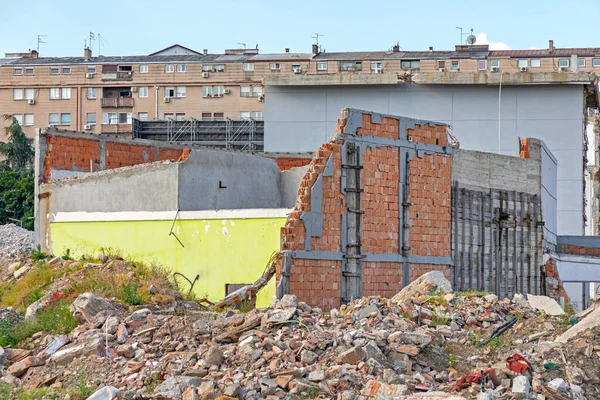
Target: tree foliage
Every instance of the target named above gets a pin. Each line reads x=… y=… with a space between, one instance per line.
x=16 y=176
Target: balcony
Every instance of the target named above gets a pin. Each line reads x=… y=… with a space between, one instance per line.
x=117 y=76
x=116 y=102
x=116 y=128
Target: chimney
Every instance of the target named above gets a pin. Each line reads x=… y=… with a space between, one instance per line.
x=315 y=49
x=87 y=53
x=205 y=51
x=396 y=48
x=551 y=46
x=34 y=54
x=430 y=48
x=287 y=49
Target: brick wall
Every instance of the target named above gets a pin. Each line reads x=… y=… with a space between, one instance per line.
x=318 y=281
x=287 y=163
x=554 y=285
x=81 y=152
x=578 y=250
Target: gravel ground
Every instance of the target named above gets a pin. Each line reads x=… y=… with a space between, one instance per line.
x=15 y=240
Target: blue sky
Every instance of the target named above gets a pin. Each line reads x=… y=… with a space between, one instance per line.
x=142 y=27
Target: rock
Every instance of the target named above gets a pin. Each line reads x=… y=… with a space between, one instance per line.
x=378 y=389
x=591 y=321
x=20 y=367
x=111 y=325
x=367 y=311
x=53 y=347
x=410 y=338
x=430 y=281
x=191 y=393
x=576 y=375
x=289 y=300
x=106 y=393
x=18 y=274
x=401 y=362
x=65 y=356
x=232 y=390
x=214 y=356
x=390 y=377
x=546 y=304
x=87 y=305
x=141 y=314
x=122 y=334
x=490 y=298
x=520 y=387
x=126 y=350
x=174 y=387
x=308 y=357
x=352 y=356
x=558 y=385
x=317 y=375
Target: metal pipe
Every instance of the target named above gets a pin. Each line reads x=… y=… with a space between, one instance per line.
x=156 y=104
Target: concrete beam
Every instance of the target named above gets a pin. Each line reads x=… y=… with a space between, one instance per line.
x=331 y=80
x=508 y=78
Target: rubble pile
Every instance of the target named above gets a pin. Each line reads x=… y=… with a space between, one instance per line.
x=14 y=240
x=426 y=342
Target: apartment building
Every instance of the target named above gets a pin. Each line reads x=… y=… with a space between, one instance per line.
x=103 y=94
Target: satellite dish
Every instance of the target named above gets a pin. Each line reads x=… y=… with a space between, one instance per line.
x=471 y=39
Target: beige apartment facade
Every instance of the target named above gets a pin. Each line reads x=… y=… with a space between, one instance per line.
x=103 y=94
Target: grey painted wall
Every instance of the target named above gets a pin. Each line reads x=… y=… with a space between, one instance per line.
x=290 y=183
x=140 y=188
x=249 y=181
x=302 y=118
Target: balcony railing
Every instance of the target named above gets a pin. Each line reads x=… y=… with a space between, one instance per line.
x=116 y=128
x=117 y=102
x=117 y=76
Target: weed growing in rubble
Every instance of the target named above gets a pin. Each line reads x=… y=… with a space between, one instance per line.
x=471 y=293
x=152 y=382
x=311 y=393
x=131 y=295
x=439 y=319
x=451 y=361
x=111 y=252
x=19 y=295
x=67 y=255
x=37 y=254
x=82 y=387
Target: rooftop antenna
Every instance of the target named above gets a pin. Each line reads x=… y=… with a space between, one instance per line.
x=100 y=42
x=317 y=36
x=471 y=39
x=243 y=44
x=92 y=37
x=39 y=41
x=461 y=33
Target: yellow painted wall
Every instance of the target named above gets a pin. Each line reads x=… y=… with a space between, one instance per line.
x=234 y=251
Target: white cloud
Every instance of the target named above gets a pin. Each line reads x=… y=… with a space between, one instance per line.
x=482 y=39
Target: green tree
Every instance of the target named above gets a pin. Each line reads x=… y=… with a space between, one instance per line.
x=17 y=150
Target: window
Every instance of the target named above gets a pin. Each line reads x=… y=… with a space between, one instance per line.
x=218 y=116
x=169 y=68
x=29 y=94
x=296 y=67
x=219 y=68
x=563 y=62
x=522 y=63
x=351 y=66
x=441 y=64
x=218 y=91
x=535 y=63
x=207 y=68
x=116 y=118
x=181 y=68
x=322 y=66
x=54 y=93
x=180 y=91
x=19 y=118
x=143 y=116
x=256 y=91
x=274 y=66
x=244 y=115
x=65 y=119
x=596 y=62
x=245 y=91
x=257 y=115
x=91 y=69
x=66 y=71
x=91 y=93
x=410 y=64
x=482 y=65
x=65 y=93
x=143 y=92
x=28 y=120
x=143 y=69
x=53 y=119
x=580 y=63
x=375 y=66
x=18 y=71
x=494 y=63
x=206 y=116
x=169 y=92
x=248 y=67
x=54 y=70
x=17 y=94
x=179 y=116
x=206 y=91
x=29 y=71
x=91 y=119
x=455 y=65
x=168 y=116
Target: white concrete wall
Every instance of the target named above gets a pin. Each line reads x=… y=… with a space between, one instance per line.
x=549 y=194
x=300 y=119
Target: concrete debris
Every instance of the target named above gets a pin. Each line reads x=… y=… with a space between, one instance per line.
x=545 y=304
x=15 y=241
x=106 y=393
x=87 y=305
x=591 y=321
x=434 y=280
